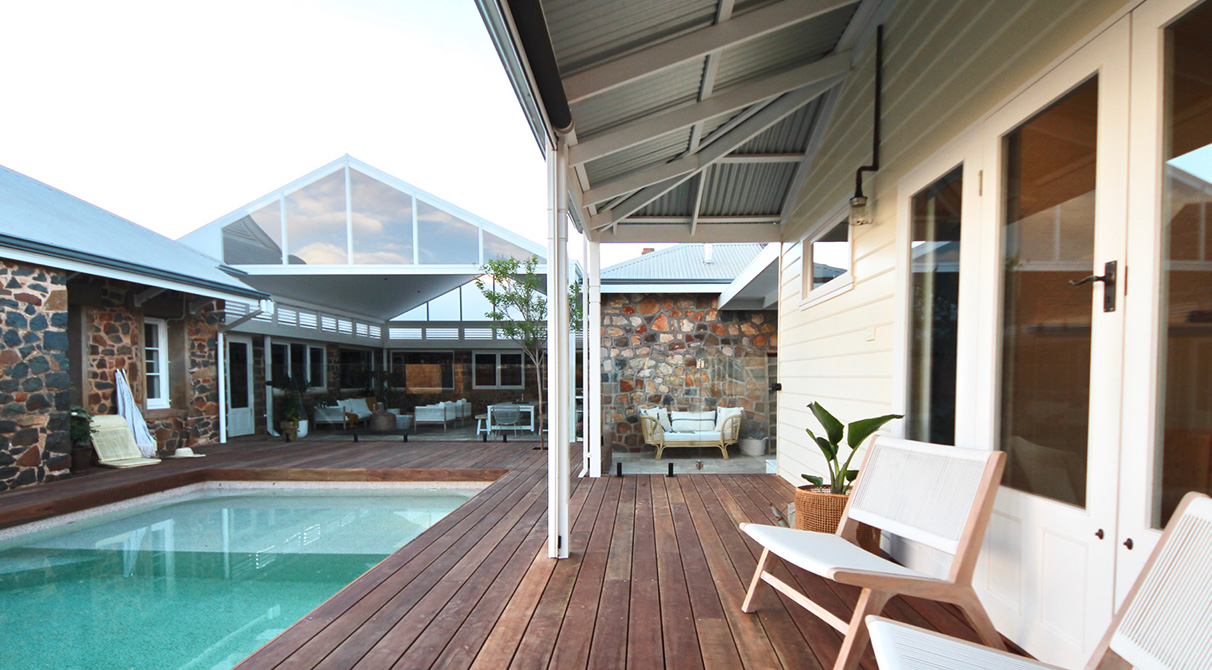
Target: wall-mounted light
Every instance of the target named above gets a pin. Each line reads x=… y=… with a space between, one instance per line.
x=860 y=205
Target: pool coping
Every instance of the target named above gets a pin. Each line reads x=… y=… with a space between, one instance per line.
x=121 y=491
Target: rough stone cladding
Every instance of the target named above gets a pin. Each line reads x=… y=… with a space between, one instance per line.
x=681 y=352
x=35 y=444
x=113 y=333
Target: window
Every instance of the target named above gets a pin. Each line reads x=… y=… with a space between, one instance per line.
x=934 y=310
x=316 y=376
x=827 y=262
x=356 y=367
x=498 y=370
x=424 y=371
x=155 y=362
x=277 y=363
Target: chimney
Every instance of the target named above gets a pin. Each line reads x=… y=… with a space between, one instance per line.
x=647 y=250
x=707 y=254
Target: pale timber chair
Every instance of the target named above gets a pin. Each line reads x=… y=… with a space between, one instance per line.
x=1164 y=623
x=938 y=496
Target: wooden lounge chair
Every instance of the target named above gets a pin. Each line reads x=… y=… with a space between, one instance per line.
x=115 y=444
x=939 y=496
x=1163 y=624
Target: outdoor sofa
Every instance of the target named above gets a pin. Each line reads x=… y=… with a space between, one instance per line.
x=714 y=428
x=347 y=412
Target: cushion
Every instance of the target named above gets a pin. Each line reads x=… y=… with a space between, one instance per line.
x=690 y=422
x=695 y=436
x=660 y=414
x=357 y=406
x=724 y=412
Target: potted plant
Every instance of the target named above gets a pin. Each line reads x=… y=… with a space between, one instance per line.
x=80 y=428
x=294 y=420
x=820 y=504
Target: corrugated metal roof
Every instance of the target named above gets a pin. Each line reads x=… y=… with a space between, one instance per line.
x=746 y=189
x=674 y=203
x=586 y=33
x=69 y=227
x=658 y=150
x=787 y=136
x=684 y=263
x=675 y=86
x=795 y=45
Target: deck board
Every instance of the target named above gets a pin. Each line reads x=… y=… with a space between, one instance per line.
x=655 y=578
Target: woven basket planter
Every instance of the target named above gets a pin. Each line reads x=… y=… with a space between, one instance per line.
x=820 y=511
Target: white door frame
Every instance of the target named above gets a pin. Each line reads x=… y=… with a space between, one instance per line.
x=245 y=340
x=1049 y=574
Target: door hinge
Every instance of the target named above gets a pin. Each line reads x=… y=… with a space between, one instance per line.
x=980 y=182
x=559 y=542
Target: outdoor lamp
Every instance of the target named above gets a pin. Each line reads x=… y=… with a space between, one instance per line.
x=860 y=209
x=860 y=205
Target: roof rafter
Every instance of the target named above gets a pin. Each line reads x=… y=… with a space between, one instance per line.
x=829 y=70
x=687 y=166
x=696 y=44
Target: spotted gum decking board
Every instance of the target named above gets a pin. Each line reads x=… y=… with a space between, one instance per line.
x=655 y=578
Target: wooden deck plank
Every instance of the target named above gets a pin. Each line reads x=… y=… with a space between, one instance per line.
x=656 y=571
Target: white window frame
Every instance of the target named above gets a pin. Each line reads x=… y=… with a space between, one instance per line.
x=838 y=285
x=160 y=355
x=497 y=355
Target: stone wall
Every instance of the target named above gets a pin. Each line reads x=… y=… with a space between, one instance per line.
x=112 y=336
x=683 y=353
x=35 y=444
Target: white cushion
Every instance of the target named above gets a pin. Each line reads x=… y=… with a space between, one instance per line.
x=660 y=414
x=695 y=436
x=822 y=553
x=689 y=422
x=357 y=406
x=724 y=412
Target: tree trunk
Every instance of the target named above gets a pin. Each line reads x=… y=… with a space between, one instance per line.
x=538 y=374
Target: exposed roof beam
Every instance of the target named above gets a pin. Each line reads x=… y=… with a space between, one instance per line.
x=698 y=203
x=705 y=220
x=678 y=232
x=761 y=158
x=683 y=168
x=827 y=70
x=695 y=44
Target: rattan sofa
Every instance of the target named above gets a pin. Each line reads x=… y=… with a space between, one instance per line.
x=715 y=428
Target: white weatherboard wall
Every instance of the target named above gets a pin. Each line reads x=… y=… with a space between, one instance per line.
x=946 y=65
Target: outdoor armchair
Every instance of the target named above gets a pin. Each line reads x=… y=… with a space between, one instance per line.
x=1163 y=624
x=937 y=496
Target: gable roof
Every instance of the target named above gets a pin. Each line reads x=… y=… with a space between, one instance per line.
x=684 y=263
x=41 y=224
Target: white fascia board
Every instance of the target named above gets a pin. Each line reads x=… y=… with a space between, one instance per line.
x=767 y=257
x=662 y=288
x=122 y=275
x=374 y=270
x=677 y=232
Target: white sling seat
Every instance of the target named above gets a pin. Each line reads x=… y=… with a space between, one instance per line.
x=1164 y=623
x=115 y=443
x=938 y=496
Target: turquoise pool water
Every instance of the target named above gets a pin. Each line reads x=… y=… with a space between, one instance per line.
x=198 y=582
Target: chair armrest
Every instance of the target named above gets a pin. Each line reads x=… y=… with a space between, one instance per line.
x=730 y=432
x=653 y=430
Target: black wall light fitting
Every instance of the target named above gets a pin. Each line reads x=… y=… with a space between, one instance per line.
x=860 y=205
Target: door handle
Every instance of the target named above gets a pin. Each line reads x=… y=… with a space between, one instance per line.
x=1108 y=280
x=1100 y=534
x=1128 y=544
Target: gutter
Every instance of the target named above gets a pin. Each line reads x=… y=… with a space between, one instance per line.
x=53 y=251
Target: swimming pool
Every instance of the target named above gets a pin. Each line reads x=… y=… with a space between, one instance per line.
x=200 y=580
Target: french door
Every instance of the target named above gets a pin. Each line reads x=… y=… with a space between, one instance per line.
x=239 y=386
x=1054 y=220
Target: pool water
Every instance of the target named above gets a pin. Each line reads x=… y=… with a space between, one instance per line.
x=199 y=582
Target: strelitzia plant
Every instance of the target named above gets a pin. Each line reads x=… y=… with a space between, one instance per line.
x=855 y=433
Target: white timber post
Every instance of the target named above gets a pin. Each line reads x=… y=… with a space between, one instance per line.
x=593 y=349
x=267 y=362
x=558 y=331
x=221 y=380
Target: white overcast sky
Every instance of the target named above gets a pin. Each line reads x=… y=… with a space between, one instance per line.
x=173 y=114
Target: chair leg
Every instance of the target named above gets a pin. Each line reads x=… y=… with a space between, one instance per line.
x=869 y=602
x=747 y=606
x=724 y=450
x=975 y=612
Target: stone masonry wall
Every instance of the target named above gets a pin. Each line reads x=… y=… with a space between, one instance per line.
x=683 y=353
x=113 y=332
x=35 y=444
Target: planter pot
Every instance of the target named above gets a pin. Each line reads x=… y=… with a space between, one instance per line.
x=820 y=511
x=302 y=430
x=754 y=447
x=290 y=429
x=82 y=457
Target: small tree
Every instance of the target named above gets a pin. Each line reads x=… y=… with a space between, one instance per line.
x=518 y=305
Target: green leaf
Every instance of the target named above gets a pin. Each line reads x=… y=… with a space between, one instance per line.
x=851 y=475
x=814 y=480
x=827 y=448
x=858 y=432
x=833 y=427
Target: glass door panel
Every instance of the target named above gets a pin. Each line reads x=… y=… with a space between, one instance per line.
x=1048 y=240
x=1185 y=352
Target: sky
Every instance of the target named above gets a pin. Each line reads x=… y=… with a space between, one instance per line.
x=174 y=114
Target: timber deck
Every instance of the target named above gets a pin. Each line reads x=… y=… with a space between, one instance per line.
x=655 y=579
